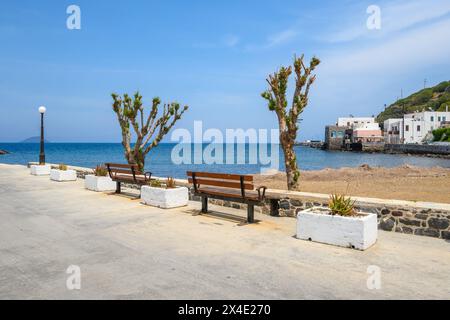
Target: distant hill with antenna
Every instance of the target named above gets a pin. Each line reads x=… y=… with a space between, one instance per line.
x=429 y=99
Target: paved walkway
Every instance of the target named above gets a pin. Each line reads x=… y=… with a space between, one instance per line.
x=128 y=250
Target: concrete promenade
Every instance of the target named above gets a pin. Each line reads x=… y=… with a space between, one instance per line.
x=127 y=250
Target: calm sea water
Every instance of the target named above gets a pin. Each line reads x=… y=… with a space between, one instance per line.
x=159 y=160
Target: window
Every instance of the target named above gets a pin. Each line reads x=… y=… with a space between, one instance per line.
x=444 y=118
x=439 y=119
x=340 y=134
x=406 y=128
x=432 y=119
x=348 y=124
x=418 y=128
x=333 y=134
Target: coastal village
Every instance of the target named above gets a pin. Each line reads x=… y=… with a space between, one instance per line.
x=399 y=134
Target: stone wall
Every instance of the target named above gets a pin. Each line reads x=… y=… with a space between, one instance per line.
x=401 y=217
x=441 y=149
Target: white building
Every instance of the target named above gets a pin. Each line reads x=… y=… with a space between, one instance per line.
x=355 y=122
x=393 y=131
x=414 y=127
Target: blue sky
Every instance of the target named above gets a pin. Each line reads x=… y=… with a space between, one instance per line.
x=211 y=55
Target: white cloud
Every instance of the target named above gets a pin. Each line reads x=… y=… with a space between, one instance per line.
x=231 y=40
x=415 y=48
x=395 y=17
x=281 y=37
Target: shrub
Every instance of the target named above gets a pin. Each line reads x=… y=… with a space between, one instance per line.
x=170 y=183
x=155 y=183
x=442 y=134
x=100 y=171
x=341 y=205
x=62 y=167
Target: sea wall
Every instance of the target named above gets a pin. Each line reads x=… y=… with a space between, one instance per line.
x=441 y=149
x=417 y=218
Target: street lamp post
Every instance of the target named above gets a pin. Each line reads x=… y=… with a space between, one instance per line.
x=42 y=110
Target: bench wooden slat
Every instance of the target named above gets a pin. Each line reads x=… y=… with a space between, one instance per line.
x=136 y=172
x=121 y=165
x=221 y=183
x=232 y=193
x=225 y=176
x=129 y=177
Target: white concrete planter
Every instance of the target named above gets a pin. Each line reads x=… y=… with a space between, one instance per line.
x=165 y=198
x=99 y=184
x=63 y=175
x=359 y=232
x=40 y=170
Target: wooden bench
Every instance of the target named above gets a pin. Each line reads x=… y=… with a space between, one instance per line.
x=128 y=173
x=232 y=187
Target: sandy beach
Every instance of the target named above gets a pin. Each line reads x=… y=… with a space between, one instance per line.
x=402 y=183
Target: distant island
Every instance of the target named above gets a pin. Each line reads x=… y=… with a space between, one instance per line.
x=435 y=98
x=36 y=139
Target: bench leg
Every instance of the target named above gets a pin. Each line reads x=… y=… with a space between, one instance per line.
x=274 y=207
x=117 y=186
x=250 y=213
x=204 y=204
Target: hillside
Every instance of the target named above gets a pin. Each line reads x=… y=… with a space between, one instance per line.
x=36 y=139
x=433 y=98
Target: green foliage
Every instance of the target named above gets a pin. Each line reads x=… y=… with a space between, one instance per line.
x=442 y=134
x=62 y=167
x=100 y=171
x=341 y=205
x=288 y=117
x=429 y=99
x=149 y=130
x=155 y=183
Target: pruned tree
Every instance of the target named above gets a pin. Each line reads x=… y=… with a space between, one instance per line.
x=288 y=118
x=149 y=130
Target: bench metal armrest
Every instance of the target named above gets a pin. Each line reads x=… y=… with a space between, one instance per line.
x=148 y=176
x=261 y=195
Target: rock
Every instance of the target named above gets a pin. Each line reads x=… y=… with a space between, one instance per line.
x=427 y=232
x=296 y=203
x=385 y=212
x=387 y=224
x=410 y=222
x=235 y=205
x=421 y=216
x=407 y=230
x=365 y=166
x=3 y=152
x=445 y=235
x=285 y=205
x=438 y=223
x=397 y=213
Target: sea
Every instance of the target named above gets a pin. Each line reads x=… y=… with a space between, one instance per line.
x=173 y=160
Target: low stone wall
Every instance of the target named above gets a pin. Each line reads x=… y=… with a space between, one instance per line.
x=424 y=219
x=418 y=218
x=418 y=149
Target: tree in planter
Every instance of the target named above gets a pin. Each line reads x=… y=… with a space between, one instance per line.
x=130 y=114
x=288 y=118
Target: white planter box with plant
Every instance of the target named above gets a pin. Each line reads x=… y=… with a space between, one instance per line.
x=166 y=197
x=338 y=225
x=40 y=170
x=63 y=174
x=99 y=181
